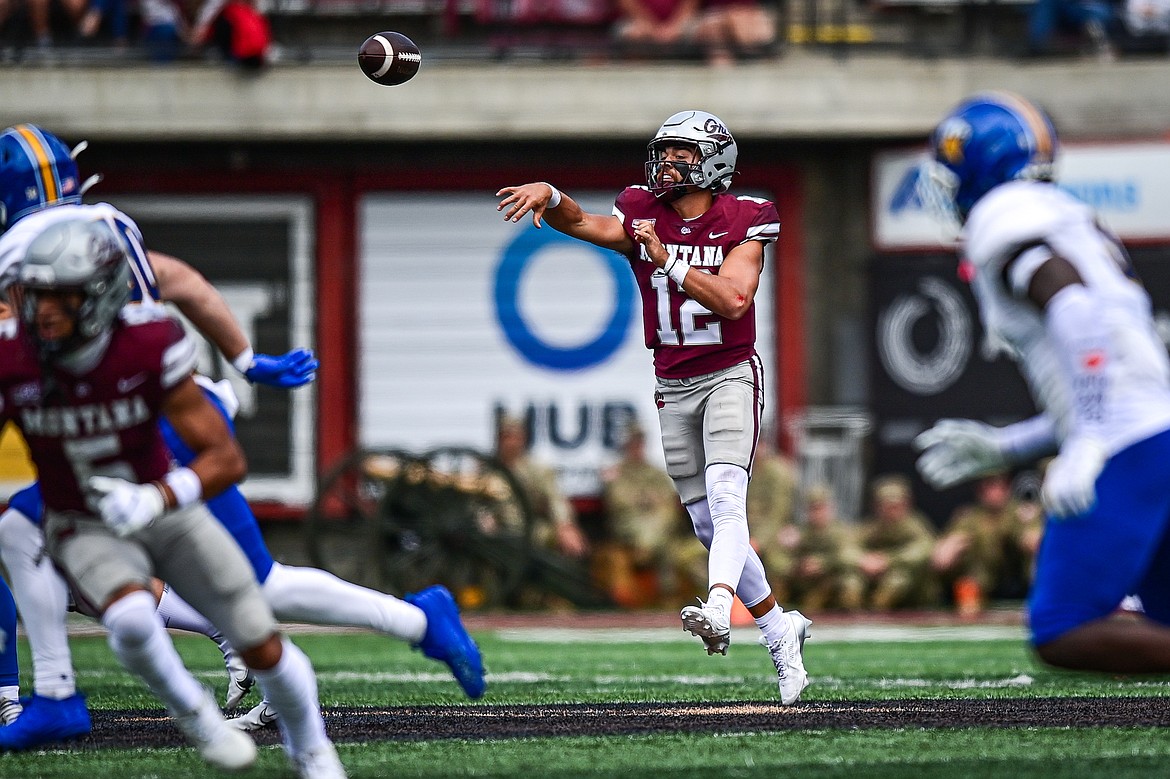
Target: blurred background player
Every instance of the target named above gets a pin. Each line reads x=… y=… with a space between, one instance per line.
x=1059 y=289
x=825 y=570
x=635 y=565
x=700 y=324
x=36 y=194
x=117 y=511
x=896 y=542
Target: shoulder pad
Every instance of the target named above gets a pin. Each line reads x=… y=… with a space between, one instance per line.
x=1013 y=215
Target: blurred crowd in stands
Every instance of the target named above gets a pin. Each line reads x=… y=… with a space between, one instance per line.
x=645 y=555
x=235 y=31
x=717 y=32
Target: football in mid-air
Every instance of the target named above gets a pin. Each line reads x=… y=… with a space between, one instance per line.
x=389 y=58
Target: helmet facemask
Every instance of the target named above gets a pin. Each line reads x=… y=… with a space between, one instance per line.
x=658 y=168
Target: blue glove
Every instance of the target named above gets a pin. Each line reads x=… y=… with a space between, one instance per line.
x=292 y=369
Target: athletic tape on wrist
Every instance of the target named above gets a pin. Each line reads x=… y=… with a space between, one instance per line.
x=244 y=360
x=185 y=484
x=677 y=270
x=554 y=199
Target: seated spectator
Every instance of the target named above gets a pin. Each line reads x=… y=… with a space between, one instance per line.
x=771 y=504
x=40 y=20
x=1094 y=19
x=236 y=29
x=736 y=29
x=896 y=543
x=657 y=27
x=643 y=520
x=987 y=548
x=555 y=521
x=826 y=557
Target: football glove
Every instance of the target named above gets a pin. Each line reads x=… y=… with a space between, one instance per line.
x=957 y=450
x=1070 y=482
x=292 y=369
x=126 y=507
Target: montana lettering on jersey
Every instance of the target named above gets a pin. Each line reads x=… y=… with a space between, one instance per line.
x=686 y=338
x=695 y=256
x=102 y=421
x=86 y=420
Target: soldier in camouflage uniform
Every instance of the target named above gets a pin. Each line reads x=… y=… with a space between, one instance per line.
x=896 y=546
x=555 y=521
x=771 y=502
x=644 y=519
x=826 y=573
x=986 y=550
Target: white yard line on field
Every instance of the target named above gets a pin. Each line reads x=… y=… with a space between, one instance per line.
x=821 y=635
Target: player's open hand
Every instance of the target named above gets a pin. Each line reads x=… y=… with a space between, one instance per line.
x=288 y=370
x=526 y=198
x=957 y=450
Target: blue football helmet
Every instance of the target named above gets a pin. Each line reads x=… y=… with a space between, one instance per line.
x=989 y=139
x=37 y=170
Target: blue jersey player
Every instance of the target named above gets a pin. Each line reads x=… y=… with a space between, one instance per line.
x=1058 y=289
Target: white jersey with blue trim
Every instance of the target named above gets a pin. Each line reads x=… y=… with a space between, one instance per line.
x=15 y=241
x=1025 y=223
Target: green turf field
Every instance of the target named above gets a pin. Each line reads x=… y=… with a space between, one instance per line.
x=564 y=666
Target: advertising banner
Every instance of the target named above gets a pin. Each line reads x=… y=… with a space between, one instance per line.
x=464 y=317
x=1128 y=184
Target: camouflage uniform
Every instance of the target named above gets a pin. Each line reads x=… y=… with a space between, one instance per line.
x=644 y=517
x=988 y=546
x=905 y=539
x=770 y=504
x=825 y=561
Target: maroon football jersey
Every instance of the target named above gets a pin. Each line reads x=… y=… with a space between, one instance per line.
x=103 y=421
x=687 y=339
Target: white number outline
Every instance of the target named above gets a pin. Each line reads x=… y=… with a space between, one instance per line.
x=688 y=332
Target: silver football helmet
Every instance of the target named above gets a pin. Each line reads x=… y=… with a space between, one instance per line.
x=717 y=153
x=75 y=255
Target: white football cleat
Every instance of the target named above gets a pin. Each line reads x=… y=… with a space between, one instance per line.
x=262 y=715
x=710 y=623
x=320 y=763
x=224 y=747
x=787 y=656
x=240 y=680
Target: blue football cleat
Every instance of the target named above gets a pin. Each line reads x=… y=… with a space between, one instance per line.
x=44 y=721
x=447 y=640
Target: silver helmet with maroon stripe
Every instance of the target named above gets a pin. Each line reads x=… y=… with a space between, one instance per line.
x=716 y=154
x=81 y=256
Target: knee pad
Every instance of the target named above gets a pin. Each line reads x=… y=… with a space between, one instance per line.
x=131 y=619
x=727 y=492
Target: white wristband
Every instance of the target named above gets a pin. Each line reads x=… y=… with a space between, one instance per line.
x=677 y=270
x=554 y=199
x=244 y=360
x=185 y=484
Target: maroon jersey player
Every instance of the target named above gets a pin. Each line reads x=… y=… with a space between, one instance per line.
x=697 y=253
x=85 y=379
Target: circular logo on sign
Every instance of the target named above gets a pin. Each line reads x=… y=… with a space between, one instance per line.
x=913 y=368
x=519 y=257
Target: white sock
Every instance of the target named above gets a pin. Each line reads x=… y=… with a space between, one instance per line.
x=311 y=595
x=178 y=614
x=773 y=626
x=42 y=598
x=730 y=541
x=10 y=693
x=291 y=688
x=143 y=647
